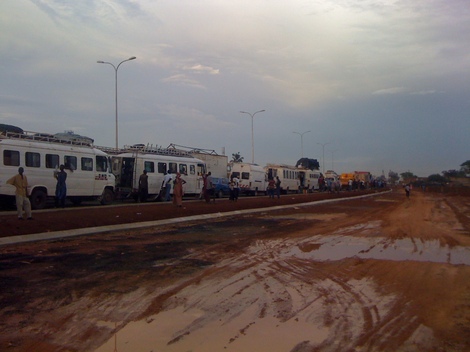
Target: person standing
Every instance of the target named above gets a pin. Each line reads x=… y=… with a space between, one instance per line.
x=20 y=181
x=271 y=187
x=231 y=186
x=407 y=191
x=166 y=185
x=178 y=190
x=236 y=188
x=278 y=187
x=209 y=188
x=143 y=186
x=61 y=187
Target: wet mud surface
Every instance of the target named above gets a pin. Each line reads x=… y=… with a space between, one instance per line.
x=376 y=274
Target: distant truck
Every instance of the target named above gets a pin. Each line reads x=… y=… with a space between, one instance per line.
x=363 y=178
x=344 y=179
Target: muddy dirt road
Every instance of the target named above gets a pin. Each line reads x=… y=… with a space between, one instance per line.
x=376 y=274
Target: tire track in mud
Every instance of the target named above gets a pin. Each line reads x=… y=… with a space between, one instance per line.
x=288 y=288
x=267 y=284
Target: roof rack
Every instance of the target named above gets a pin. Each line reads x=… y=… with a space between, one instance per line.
x=49 y=138
x=146 y=149
x=192 y=150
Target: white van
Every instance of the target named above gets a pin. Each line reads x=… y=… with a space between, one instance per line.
x=253 y=180
x=131 y=162
x=88 y=169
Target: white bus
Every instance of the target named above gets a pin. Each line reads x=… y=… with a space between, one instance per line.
x=88 y=169
x=131 y=162
x=294 y=179
x=291 y=177
x=312 y=177
x=253 y=180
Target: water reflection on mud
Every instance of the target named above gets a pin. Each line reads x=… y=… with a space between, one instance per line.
x=340 y=247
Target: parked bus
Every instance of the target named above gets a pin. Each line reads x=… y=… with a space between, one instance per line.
x=88 y=169
x=252 y=177
x=129 y=163
x=312 y=177
x=294 y=179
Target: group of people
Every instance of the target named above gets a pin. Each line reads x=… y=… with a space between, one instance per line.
x=165 y=192
x=23 y=204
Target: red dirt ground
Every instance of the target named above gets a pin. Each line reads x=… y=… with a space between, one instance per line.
x=238 y=274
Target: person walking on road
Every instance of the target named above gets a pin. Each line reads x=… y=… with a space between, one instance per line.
x=407 y=191
x=178 y=190
x=20 y=182
x=61 y=187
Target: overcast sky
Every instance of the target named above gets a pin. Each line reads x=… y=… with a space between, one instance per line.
x=385 y=83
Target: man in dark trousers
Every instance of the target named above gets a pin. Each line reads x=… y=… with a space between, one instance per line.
x=61 y=187
x=143 y=186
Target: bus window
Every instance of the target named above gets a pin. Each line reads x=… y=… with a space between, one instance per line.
x=33 y=159
x=201 y=169
x=52 y=161
x=183 y=169
x=272 y=173
x=235 y=174
x=245 y=175
x=161 y=168
x=70 y=162
x=173 y=168
x=192 y=169
x=101 y=163
x=87 y=164
x=11 y=158
x=149 y=166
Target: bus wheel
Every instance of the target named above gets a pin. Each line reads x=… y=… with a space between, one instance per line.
x=107 y=197
x=38 y=199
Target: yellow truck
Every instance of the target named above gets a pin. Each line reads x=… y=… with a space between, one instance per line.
x=344 y=179
x=362 y=178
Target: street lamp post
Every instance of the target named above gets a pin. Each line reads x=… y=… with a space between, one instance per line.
x=301 y=140
x=252 y=134
x=333 y=158
x=323 y=158
x=116 y=91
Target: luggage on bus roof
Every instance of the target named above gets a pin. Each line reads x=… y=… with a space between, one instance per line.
x=10 y=128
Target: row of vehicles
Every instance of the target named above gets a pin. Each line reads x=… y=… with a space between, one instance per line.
x=107 y=174
x=92 y=172
x=254 y=178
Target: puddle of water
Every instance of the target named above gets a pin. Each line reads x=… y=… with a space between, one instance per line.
x=324 y=248
x=242 y=334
